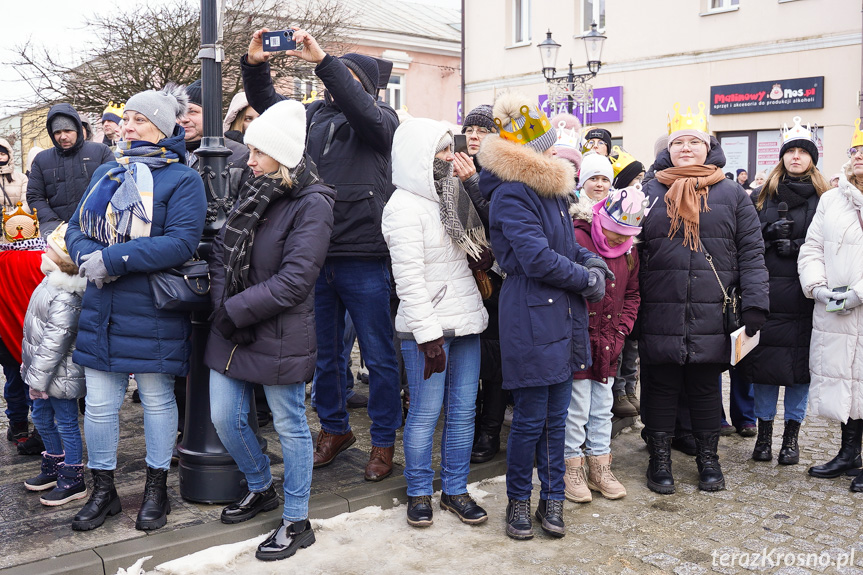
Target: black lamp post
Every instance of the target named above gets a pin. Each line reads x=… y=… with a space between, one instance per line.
x=208 y=474
x=548 y=49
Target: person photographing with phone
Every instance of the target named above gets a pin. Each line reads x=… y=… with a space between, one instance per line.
x=349 y=137
x=830 y=264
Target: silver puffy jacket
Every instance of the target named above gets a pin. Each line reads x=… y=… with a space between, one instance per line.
x=50 y=331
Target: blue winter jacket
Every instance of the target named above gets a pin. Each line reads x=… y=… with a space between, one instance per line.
x=120 y=329
x=543 y=330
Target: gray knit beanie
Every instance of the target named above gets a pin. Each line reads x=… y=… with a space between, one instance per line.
x=481 y=116
x=63 y=122
x=162 y=107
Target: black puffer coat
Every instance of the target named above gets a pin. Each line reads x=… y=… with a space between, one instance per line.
x=782 y=355
x=681 y=302
x=59 y=177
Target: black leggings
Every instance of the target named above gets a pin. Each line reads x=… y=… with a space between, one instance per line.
x=662 y=386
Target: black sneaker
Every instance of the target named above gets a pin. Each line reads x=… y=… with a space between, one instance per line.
x=550 y=515
x=357 y=400
x=420 y=511
x=17 y=432
x=519 y=525
x=31 y=445
x=465 y=507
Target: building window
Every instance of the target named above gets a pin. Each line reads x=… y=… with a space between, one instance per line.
x=394 y=95
x=594 y=11
x=719 y=4
x=303 y=88
x=520 y=21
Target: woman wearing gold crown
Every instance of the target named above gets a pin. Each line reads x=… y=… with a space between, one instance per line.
x=831 y=272
x=708 y=223
x=786 y=205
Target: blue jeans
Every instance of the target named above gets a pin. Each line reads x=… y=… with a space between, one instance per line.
x=15 y=393
x=350 y=338
x=56 y=420
x=229 y=409
x=362 y=287
x=796 y=400
x=590 y=408
x=105 y=394
x=537 y=433
x=742 y=400
x=455 y=391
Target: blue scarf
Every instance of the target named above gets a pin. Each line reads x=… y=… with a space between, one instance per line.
x=117 y=202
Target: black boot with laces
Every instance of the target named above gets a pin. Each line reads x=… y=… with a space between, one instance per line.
x=519 y=525
x=155 y=507
x=550 y=515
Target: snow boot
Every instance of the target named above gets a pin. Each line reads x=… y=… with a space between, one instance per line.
x=70 y=486
x=47 y=477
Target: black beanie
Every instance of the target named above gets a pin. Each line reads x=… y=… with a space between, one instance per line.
x=365 y=68
x=600 y=133
x=803 y=144
x=627 y=174
x=193 y=90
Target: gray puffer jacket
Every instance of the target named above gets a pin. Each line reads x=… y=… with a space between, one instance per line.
x=50 y=331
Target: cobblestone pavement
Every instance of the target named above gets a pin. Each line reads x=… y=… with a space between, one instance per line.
x=764 y=507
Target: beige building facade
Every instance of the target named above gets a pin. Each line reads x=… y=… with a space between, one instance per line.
x=745 y=59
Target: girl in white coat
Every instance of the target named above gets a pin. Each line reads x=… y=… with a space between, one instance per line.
x=431 y=228
x=831 y=271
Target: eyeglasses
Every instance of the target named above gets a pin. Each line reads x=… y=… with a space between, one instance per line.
x=691 y=144
x=854 y=151
x=477 y=130
x=590 y=144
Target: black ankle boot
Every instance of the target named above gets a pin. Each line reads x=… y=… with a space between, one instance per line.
x=285 y=540
x=485 y=448
x=790 y=452
x=550 y=516
x=763 y=450
x=420 y=511
x=710 y=476
x=103 y=502
x=155 y=507
x=250 y=505
x=848 y=457
x=857 y=483
x=463 y=505
x=518 y=522
x=659 y=477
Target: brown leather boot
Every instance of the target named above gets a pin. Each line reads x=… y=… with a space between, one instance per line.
x=329 y=445
x=380 y=465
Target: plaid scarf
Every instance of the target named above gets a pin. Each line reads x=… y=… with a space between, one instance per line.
x=243 y=220
x=457 y=213
x=119 y=208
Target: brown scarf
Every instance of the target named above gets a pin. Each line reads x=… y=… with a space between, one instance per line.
x=687 y=197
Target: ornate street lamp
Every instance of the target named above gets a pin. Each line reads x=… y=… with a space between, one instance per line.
x=572 y=87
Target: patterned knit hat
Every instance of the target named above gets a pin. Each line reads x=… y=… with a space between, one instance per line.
x=280 y=132
x=520 y=121
x=481 y=116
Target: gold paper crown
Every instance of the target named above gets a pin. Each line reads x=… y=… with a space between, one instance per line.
x=116 y=109
x=688 y=122
x=621 y=159
x=534 y=126
x=857 y=138
x=19 y=225
x=58 y=236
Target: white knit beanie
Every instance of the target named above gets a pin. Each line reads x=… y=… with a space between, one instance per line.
x=280 y=132
x=594 y=164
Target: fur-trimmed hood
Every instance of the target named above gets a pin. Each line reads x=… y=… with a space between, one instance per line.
x=582 y=209
x=71 y=284
x=510 y=162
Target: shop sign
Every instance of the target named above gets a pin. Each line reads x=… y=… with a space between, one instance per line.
x=769 y=96
x=606 y=107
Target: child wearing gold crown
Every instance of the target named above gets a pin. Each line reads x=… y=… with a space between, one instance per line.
x=55 y=381
x=608 y=231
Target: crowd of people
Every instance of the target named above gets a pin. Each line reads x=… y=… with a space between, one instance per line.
x=608 y=269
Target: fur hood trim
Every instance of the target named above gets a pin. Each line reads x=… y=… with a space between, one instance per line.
x=547 y=176
x=71 y=284
x=582 y=209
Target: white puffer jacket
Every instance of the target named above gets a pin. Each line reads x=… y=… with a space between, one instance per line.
x=833 y=256
x=437 y=292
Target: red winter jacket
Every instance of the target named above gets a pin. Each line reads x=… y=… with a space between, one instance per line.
x=612 y=318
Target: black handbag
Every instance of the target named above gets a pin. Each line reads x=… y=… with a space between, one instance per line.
x=184 y=288
x=732 y=304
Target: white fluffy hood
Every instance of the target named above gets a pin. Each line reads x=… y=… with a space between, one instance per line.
x=413 y=156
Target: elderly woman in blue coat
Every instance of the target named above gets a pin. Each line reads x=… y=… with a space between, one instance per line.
x=543 y=335
x=265 y=263
x=141 y=214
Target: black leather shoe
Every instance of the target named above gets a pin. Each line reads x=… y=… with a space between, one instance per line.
x=465 y=507
x=519 y=525
x=659 y=476
x=250 y=505
x=285 y=540
x=763 y=450
x=857 y=483
x=848 y=457
x=155 y=506
x=103 y=502
x=420 y=511
x=485 y=448
x=710 y=476
x=550 y=515
x=789 y=454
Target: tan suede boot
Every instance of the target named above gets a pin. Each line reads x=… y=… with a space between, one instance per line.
x=575 y=481
x=600 y=478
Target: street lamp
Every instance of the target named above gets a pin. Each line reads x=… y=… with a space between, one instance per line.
x=573 y=86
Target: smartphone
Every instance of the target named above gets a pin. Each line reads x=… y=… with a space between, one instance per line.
x=279 y=40
x=459 y=143
x=837 y=305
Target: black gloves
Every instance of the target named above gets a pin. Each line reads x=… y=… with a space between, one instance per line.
x=778 y=230
x=753 y=319
x=786 y=248
x=599 y=263
x=484 y=263
x=595 y=289
x=435 y=357
x=222 y=323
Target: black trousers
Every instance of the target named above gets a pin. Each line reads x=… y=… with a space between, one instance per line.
x=663 y=385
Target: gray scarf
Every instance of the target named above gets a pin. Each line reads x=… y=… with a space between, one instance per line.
x=457 y=213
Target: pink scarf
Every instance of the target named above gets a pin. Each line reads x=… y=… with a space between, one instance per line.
x=600 y=241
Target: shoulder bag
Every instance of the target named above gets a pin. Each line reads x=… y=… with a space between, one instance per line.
x=184 y=288
x=732 y=312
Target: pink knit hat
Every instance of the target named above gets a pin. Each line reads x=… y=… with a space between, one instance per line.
x=623 y=211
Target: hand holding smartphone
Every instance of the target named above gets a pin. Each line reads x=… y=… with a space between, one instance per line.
x=459 y=143
x=837 y=305
x=279 y=40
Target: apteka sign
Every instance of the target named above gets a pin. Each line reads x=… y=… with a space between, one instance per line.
x=795 y=94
